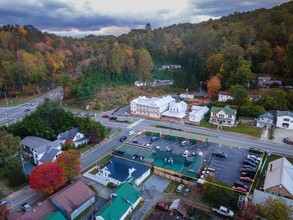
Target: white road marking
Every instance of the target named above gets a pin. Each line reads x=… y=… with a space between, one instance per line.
x=135 y=123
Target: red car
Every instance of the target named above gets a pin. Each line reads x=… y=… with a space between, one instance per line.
x=161 y=206
x=105 y=116
x=246 y=179
x=238 y=188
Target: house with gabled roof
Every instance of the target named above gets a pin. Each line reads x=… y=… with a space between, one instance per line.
x=266 y=120
x=284 y=119
x=223 y=116
x=151 y=107
x=123 y=201
x=41 y=150
x=279 y=178
x=73 y=136
x=224 y=96
x=176 y=110
x=197 y=113
x=118 y=170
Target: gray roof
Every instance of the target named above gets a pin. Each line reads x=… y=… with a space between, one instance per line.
x=267 y=115
x=33 y=141
x=70 y=134
x=47 y=147
x=119 y=168
x=284 y=113
x=49 y=156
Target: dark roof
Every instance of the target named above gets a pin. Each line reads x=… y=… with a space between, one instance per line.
x=119 y=168
x=73 y=196
x=267 y=115
x=47 y=147
x=284 y=113
x=70 y=134
x=33 y=141
x=49 y=156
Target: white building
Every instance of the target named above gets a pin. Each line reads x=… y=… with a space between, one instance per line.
x=224 y=96
x=197 y=113
x=176 y=110
x=151 y=107
x=284 y=119
x=73 y=136
x=172 y=66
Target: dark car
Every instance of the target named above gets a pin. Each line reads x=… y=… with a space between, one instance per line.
x=27 y=110
x=253 y=160
x=123 y=138
x=241 y=184
x=246 y=179
x=247 y=170
x=154 y=139
x=161 y=206
x=113 y=118
x=135 y=141
x=239 y=188
x=220 y=155
x=255 y=150
x=248 y=162
x=248 y=166
x=246 y=174
x=2 y=202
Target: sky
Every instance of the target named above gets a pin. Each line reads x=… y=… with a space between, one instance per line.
x=78 y=18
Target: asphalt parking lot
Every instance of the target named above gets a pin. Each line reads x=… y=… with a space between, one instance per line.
x=226 y=170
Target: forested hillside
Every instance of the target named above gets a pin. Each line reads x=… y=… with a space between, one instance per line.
x=235 y=48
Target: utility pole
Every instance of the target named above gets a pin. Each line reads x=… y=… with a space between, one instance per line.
x=23 y=167
x=6 y=98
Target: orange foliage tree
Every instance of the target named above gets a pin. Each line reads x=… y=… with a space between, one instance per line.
x=47 y=177
x=214 y=86
x=69 y=161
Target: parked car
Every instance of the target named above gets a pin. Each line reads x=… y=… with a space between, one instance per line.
x=2 y=202
x=185 y=153
x=161 y=206
x=149 y=145
x=27 y=110
x=154 y=138
x=113 y=118
x=220 y=154
x=241 y=184
x=180 y=188
x=246 y=174
x=247 y=170
x=184 y=143
x=186 y=192
x=105 y=116
x=238 y=188
x=123 y=138
x=248 y=166
x=253 y=160
x=255 y=150
x=168 y=149
x=246 y=179
x=248 y=162
x=26 y=207
x=223 y=211
x=254 y=157
x=131 y=132
x=135 y=141
x=288 y=141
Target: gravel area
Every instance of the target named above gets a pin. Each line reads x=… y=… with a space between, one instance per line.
x=152 y=192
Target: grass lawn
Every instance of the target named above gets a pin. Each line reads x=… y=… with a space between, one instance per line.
x=171 y=187
x=94 y=171
x=241 y=128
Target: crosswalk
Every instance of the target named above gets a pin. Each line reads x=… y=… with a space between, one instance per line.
x=135 y=123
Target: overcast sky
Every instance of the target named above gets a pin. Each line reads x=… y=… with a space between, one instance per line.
x=78 y=18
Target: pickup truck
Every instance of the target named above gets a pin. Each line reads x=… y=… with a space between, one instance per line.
x=223 y=211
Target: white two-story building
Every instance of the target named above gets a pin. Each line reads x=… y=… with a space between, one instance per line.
x=151 y=107
x=284 y=119
x=223 y=116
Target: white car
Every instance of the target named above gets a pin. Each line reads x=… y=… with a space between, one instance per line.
x=253 y=157
x=223 y=211
x=149 y=145
x=183 y=143
x=131 y=132
x=180 y=188
x=185 y=153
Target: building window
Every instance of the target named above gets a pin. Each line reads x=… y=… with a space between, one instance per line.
x=286 y=119
x=221 y=115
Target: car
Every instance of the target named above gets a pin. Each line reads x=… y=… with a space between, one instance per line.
x=26 y=207
x=2 y=202
x=255 y=150
x=253 y=160
x=253 y=156
x=288 y=140
x=105 y=116
x=246 y=174
x=154 y=139
x=180 y=188
x=248 y=162
x=223 y=211
x=241 y=184
x=168 y=149
x=246 y=179
x=247 y=170
x=113 y=118
x=149 y=145
x=185 y=153
x=131 y=132
x=184 y=143
x=199 y=153
x=248 y=166
x=158 y=147
x=220 y=154
x=123 y=138
x=27 y=110
x=161 y=206
x=238 y=188
x=186 y=192
x=135 y=141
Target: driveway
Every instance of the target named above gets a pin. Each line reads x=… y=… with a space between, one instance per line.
x=152 y=192
x=281 y=133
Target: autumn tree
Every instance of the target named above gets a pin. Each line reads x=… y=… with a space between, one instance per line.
x=47 y=178
x=249 y=212
x=69 y=161
x=275 y=209
x=213 y=85
x=3 y=212
x=144 y=65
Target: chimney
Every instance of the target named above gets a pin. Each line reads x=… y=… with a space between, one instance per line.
x=271 y=167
